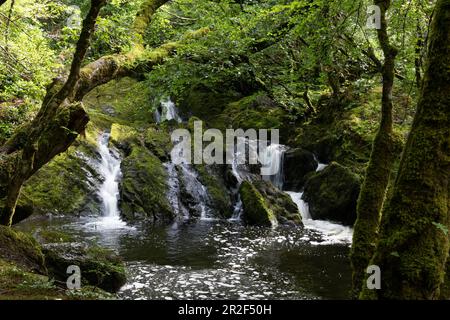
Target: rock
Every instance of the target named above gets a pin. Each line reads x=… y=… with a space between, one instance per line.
x=99 y=267
x=213 y=177
x=256 y=211
x=21 y=249
x=265 y=205
x=46 y=191
x=332 y=194
x=296 y=166
x=285 y=210
x=143 y=189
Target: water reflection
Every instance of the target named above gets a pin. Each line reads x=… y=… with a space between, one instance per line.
x=216 y=259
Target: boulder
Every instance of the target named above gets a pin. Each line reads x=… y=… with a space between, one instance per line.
x=143 y=187
x=22 y=250
x=285 y=210
x=332 y=194
x=213 y=177
x=256 y=211
x=265 y=205
x=297 y=164
x=99 y=267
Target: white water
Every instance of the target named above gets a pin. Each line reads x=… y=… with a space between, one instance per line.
x=167 y=111
x=109 y=169
x=272 y=159
x=331 y=233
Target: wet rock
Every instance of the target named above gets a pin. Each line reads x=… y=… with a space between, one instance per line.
x=265 y=205
x=256 y=212
x=144 y=187
x=298 y=163
x=332 y=194
x=99 y=267
x=285 y=210
x=21 y=249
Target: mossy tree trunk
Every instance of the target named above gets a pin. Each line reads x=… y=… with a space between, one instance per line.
x=62 y=116
x=56 y=126
x=385 y=150
x=414 y=244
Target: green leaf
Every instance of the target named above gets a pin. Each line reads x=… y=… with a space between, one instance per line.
x=441 y=227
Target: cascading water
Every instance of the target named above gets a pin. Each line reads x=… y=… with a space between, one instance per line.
x=272 y=158
x=109 y=170
x=330 y=233
x=167 y=111
x=183 y=177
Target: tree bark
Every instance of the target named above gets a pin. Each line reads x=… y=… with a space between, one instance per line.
x=53 y=130
x=385 y=150
x=414 y=244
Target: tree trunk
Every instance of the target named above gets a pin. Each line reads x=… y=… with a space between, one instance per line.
x=414 y=244
x=385 y=150
x=53 y=130
x=62 y=116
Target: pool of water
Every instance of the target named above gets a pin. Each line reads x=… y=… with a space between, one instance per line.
x=215 y=259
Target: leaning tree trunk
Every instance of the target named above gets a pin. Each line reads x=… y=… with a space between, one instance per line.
x=62 y=116
x=385 y=150
x=414 y=244
x=54 y=129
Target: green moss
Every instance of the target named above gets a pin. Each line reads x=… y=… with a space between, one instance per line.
x=124 y=101
x=22 y=249
x=47 y=189
x=99 y=267
x=144 y=187
x=157 y=140
x=217 y=191
x=19 y=284
x=281 y=204
x=255 y=208
x=253 y=112
x=53 y=236
x=332 y=194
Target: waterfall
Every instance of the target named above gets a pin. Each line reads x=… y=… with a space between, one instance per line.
x=109 y=170
x=272 y=157
x=167 y=111
x=320 y=166
x=197 y=200
x=331 y=233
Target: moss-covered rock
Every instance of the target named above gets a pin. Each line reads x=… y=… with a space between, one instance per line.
x=281 y=204
x=17 y=283
x=22 y=250
x=256 y=211
x=206 y=103
x=257 y=111
x=99 y=267
x=66 y=185
x=124 y=101
x=143 y=189
x=332 y=194
x=213 y=178
x=157 y=140
x=297 y=163
x=265 y=205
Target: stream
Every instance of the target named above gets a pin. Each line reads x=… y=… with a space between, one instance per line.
x=209 y=258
